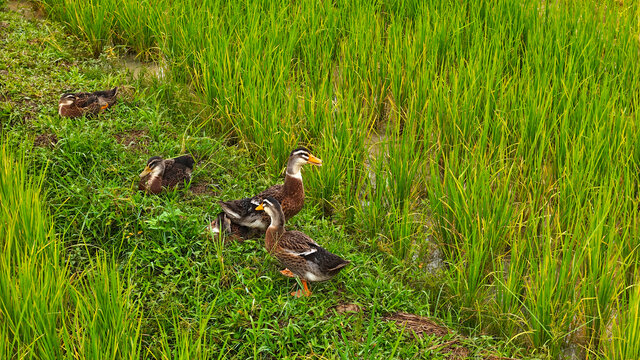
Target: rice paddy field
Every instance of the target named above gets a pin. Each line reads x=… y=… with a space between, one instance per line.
x=481 y=164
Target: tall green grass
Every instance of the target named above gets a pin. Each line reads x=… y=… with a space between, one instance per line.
x=512 y=127
x=625 y=343
x=31 y=280
x=48 y=312
x=45 y=311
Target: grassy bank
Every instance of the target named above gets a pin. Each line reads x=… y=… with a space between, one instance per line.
x=505 y=130
x=113 y=273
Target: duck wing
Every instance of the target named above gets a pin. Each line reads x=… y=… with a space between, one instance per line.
x=186 y=161
x=107 y=96
x=175 y=172
x=88 y=103
x=296 y=244
x=275 y=192
x=85 y=99
x=308 y=259
x=243 y=211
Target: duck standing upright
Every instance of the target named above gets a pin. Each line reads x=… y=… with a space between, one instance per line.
x=240 y=218
x=298 y=252
x=85 y=103
x=165 y=173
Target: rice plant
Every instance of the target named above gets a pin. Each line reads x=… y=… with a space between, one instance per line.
x=47 y=312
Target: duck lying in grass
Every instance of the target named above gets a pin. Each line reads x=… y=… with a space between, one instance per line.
x=240 y=218
x=83 y=103
x=165 y=173
x=298 y=252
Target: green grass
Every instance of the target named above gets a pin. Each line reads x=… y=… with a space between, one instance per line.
x=134 y=276
x=505 y=132
x=45 y=310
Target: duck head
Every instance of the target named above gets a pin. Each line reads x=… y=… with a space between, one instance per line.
x=272 y=207
x=155 y=167
x=298 y=158
x=67 y=99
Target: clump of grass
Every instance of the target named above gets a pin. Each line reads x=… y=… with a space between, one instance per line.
x=32 y=279
x=624 y=335
x=45 y=311
x=96 y=34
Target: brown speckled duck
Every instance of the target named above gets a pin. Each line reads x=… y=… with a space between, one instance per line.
x=240 y=218
x=83 y=103
x=302 y=256
x=160 y=173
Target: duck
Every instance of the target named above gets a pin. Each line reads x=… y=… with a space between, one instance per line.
x=239 y=217
x=84 y=103
x=165 y=173
x=302 y=256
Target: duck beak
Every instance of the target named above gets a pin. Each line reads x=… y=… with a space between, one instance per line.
x=104 y=107
x=260 y=207
x=146 y=171
x=314 y=160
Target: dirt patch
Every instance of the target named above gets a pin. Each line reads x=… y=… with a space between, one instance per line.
x=347 y=308
x=419 y=325
x=202 y=189
x=46 y=140
x=455 y=350
x=133 y=139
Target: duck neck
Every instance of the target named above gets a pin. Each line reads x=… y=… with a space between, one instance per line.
x=277 y=219
x=293 y=169
x=155 y=180
x=293 y=181
x=274 y=232
x=293 y=185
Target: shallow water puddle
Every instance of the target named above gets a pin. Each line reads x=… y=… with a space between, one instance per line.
x=139 y=68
